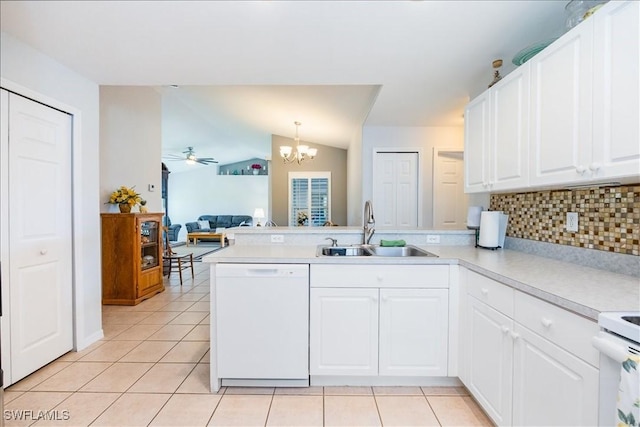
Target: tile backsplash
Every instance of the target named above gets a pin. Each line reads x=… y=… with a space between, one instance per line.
x=608 y=217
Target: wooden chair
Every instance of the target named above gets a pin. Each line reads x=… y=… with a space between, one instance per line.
x=173 y=261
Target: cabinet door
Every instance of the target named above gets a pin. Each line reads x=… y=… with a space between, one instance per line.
x=489 y=359
x=550 y=385
x=616 y=85
x=561 y=109
x=413 y=332
x=510 y=131
x=476 y=144
x=343 y=331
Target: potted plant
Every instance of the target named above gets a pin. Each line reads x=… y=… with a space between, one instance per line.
x=125 y=198
x=256 y=168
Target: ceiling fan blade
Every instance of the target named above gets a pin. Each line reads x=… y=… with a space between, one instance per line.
x=205 y=161
x=173 y=157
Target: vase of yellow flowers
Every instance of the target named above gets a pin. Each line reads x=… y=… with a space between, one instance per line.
x=125 y=198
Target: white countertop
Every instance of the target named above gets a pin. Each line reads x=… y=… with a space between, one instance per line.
x=583 y=290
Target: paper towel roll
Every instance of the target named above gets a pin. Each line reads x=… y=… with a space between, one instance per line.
x=473 y=216
x=489 y=229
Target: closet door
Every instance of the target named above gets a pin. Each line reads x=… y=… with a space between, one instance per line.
x=395 y=189
x=39 y=230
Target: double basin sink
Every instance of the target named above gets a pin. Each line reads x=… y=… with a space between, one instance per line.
x=373 y=250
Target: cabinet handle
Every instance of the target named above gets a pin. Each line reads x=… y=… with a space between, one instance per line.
x=595 y=166
x=581 y=169
x=504 y=329
x=43 y=251
x=546 y=322
x=484 y=291
x=515 y=335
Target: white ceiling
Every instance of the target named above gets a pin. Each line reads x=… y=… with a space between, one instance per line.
x=249 y=69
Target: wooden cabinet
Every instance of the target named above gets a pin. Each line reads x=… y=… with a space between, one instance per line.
x=375 y=320
x=131 y=257
x=528 y=362
x=497 y=135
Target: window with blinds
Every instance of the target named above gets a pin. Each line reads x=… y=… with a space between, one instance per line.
x=309 y=198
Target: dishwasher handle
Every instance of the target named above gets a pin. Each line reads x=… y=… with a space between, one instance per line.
x=609 y=349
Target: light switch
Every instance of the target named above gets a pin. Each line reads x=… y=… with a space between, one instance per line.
x=152 y=187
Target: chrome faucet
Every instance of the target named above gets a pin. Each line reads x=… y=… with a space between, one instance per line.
x=334 y=242
x=369 y=223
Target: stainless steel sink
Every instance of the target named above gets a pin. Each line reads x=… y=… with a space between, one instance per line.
x=373 y=250
x=403 y=251
x=342 y=251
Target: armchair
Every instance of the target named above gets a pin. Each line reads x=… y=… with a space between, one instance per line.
x=173 y=230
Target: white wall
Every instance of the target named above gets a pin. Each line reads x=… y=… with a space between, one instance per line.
x=202 y=192
x=22 y=65
x=424 y=138
x=131 y=143
x=355 y=202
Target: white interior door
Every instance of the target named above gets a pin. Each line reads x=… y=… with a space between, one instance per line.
x=449 y=200
x=395 y=189
x=39 y=235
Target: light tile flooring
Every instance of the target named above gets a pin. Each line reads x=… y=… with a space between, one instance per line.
x=152 y=368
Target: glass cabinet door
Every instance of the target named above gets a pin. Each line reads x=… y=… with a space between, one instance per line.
x=149 y=244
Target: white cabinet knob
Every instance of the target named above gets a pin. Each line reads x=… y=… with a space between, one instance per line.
x=380 y=278
x=595 y=166
x=581 y=169
x=504 y=329
x=484 y=291
x=515 y=335
x=546 y=322
x=43 y=251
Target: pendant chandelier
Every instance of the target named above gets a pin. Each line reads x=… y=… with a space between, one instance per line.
x=300 y=153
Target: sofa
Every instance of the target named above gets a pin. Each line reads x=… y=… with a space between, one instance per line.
x=219 y=221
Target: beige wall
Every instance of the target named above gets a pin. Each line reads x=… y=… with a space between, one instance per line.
x=328 y=159
x=131 y=142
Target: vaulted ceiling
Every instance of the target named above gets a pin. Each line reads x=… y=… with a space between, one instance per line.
x=249 y=69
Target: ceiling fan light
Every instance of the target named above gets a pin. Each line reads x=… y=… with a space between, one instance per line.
x=190 y=161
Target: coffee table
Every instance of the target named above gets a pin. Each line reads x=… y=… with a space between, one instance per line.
x=205 y=235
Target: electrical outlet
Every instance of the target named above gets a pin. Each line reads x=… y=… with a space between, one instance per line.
x=435 y=239
x=277 y=238
x=572 y=221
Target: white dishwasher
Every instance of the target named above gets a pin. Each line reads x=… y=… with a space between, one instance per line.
x=263 y=324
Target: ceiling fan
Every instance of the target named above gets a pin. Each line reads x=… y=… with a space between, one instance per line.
x=190 y=157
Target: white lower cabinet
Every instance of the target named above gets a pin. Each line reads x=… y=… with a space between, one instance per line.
x=522 y=377
x=490 y=359
x=550 y=385
x=343 y=327
x=413 y=332
x=381 y=330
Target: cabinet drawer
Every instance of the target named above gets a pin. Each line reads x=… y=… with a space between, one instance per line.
x=379 y=276
x=490 y=292
x=561 y=327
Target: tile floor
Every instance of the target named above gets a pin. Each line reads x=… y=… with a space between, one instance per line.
x=152 y=368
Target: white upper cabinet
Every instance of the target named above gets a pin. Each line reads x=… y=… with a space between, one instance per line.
x=581 y=100
x=496 y=135
x=509 y=140
x=616 y=91
x=561 y=112
x=476 y=144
